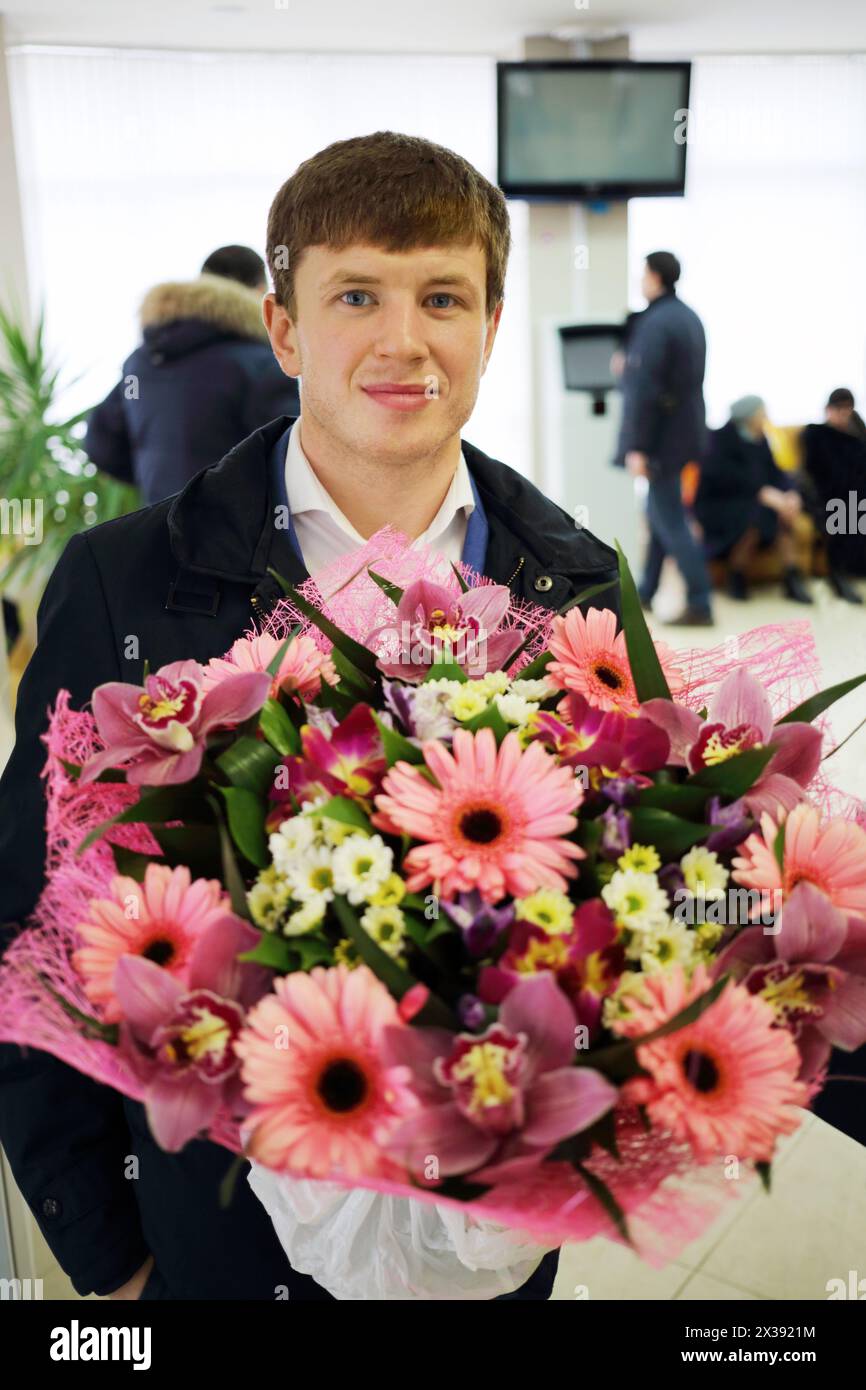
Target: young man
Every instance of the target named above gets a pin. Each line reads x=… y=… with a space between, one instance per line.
x=388 y=255
x=663 y=428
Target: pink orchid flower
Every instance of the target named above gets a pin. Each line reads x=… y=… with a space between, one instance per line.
x=160 y=729
x=180 y=1036
x=739 y=717
x=812 y=971
x=503 y=1098
x=607 y=742
x=434 y=623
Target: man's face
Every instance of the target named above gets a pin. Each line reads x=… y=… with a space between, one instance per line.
x=651 y=285
x=369 y=319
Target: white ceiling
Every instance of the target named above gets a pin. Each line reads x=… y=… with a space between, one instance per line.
x=663 y=27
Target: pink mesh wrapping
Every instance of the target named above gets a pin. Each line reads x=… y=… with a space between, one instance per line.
x=666 y=1197
x=347 y=595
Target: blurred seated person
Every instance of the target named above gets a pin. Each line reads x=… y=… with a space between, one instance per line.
x=203 y=378
x=746 y=503
x=834 y=461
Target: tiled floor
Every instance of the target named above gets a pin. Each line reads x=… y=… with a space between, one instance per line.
x=784 y=1245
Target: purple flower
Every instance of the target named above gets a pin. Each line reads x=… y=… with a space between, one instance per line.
x=480 y=922
x=615 y=833
x=735 y=821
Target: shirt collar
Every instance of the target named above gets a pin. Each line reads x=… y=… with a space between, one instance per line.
x=307 y=494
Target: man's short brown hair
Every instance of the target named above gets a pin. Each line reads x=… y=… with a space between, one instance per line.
x=393 y=191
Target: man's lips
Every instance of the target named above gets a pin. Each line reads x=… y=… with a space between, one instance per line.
x=395 y=395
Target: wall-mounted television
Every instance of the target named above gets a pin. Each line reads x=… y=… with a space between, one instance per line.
x=581 y=130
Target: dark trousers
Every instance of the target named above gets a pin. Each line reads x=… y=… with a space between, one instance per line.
x=670 y=535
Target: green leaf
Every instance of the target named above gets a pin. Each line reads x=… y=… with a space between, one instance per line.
x=246 y=817
x=445 y=671
x=395 y=745
x=231 y=873
x=394 y=592
x=181 y=801
x=347 y=811
x=678 y=797
x=360 y=655
x=250 y=763
x=196 y=846
x=464 y=587
x=646 y=670
x=276 y=952
x=735 y=775
x=816 y=704
x=670 y=834
x=278 y=729
x=535 y=669
x=354 y=680
x=93 y=1027
x=603 y=1194
x=312 y=951
x=489 y=718
x=396 y=979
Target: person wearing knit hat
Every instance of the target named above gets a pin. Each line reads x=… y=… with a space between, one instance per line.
x=745 y=502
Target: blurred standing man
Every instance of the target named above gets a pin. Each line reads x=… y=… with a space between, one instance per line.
x=203 y=378
x=663 y=428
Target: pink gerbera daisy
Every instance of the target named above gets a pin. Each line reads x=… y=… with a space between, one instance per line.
x=303 y=668
x=160 y=919
x=726 y=1083
x=832 y=857
x=590 y=658
x=312 y=1068
x=493 y=820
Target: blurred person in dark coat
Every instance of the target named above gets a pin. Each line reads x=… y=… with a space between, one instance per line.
x=663 y=427
x=746 y=503
x=203 y=378
x=834 y=459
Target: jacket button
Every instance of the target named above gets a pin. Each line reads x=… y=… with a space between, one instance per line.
x=543 y=583
x=51 y=1207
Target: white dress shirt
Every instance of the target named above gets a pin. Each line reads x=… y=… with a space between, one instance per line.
x=324 y=533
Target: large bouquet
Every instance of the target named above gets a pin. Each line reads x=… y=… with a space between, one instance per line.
x=424 y=891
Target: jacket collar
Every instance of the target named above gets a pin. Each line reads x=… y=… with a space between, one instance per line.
x=222 y=525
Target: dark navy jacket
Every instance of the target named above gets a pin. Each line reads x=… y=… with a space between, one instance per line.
x=186 y=576
x=662 y=386
x=203 y=378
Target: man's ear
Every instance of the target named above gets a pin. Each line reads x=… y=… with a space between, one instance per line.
x=281 y=331
x=492 y=326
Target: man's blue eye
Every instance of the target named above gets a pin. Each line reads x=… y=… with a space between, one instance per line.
x=442 y=295
x=361 y=292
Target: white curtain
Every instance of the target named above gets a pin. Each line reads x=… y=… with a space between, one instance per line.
x=772 y=231
x=135 y=165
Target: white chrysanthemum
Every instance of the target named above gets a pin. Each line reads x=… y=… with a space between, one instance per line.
x=644 y=858
x=307 y=917
x=673 y=944
x=537 y=690
x=514 y=709
x=548 y=909
x=290 y=842
x=703 y=874
x=636 y=900
x=441 y=686
x=493 y=683
x=387 y=926
x=268 y=899
x=313 y=874
x=361 y=865
x=467 y=702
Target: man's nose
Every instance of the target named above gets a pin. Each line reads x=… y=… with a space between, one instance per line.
x=400 y=330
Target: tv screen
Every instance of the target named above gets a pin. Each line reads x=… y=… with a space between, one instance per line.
x=586 y=353
x=579 y=130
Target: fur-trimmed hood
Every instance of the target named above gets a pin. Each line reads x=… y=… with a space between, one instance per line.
x=225 y=305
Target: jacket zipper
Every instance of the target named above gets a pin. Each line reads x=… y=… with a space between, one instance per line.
x=520 y=565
